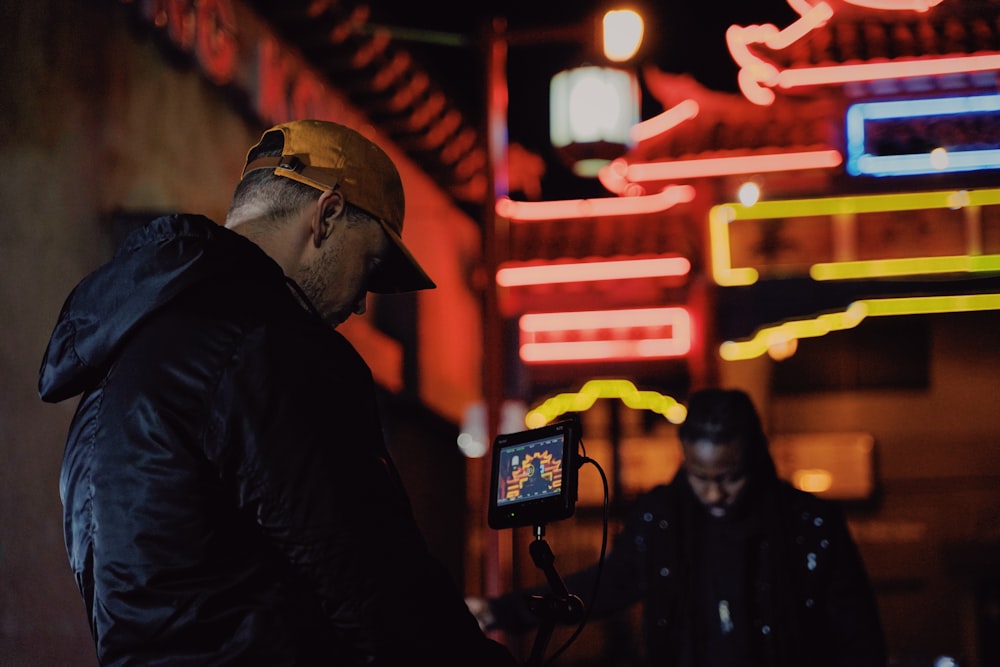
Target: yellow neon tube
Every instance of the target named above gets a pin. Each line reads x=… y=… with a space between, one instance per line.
x=721 y=215
x=759 y=343
x=592 y=390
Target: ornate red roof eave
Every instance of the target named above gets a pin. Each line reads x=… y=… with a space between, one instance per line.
x=724 y=134
x=842 y=42
x=379 y=75
x=807 y=118
x=855 y=34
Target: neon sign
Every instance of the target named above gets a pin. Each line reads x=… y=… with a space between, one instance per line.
x=782 y=334
x=568 y=209
x=600 y=335
x=583 y=400
x=829 y=216
x=519 y=274
x=735 y=164
x=664 y=121
x=234 y=49
x=951 y=134
x=758 y=76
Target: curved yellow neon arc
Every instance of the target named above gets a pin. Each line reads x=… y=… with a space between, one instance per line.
x=592 y=390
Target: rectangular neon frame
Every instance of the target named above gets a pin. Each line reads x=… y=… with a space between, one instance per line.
x=612 y=346
x=725 y=274
x=861 y=163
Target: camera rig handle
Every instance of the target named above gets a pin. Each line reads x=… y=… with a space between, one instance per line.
x=558 y=606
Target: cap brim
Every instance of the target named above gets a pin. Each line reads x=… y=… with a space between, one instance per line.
x=400 y=271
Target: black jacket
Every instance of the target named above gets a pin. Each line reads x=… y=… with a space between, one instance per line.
x=228 y=496
x=809 y=597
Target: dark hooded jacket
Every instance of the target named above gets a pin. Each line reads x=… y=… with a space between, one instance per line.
x=804 y=595
x=228 y=496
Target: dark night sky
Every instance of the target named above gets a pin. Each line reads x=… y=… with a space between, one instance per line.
x=682 y=36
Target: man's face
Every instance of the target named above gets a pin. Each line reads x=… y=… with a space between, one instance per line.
x=716 y=473
x=337 y=281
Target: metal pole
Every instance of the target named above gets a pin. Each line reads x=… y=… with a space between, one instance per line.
x=497 y=545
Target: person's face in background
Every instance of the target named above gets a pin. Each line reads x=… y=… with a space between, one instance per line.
x=716 y=473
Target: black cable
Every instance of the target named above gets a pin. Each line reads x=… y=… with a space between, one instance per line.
x=600 y=564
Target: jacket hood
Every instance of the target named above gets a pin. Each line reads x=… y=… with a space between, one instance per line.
x=155 y=264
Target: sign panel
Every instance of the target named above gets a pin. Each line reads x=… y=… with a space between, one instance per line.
x=916 y=234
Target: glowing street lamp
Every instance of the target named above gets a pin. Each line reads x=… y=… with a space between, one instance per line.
x=622 y=31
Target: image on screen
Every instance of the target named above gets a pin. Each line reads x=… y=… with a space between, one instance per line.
x=530 y=470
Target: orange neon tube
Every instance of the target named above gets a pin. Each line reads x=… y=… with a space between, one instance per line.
x=667 y=120
x=512 y=275
x=915 y=5
x=640 y=333
x=567 y=209
x=740 y=164
x=757 y=75
x=606 y=350
x=602 y=319
x=817 y=76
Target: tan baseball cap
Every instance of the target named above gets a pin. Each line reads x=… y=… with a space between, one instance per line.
x=326 y=155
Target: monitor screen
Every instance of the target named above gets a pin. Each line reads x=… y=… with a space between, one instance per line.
x=533 y=478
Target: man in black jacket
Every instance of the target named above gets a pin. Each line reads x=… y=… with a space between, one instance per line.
x=229 y=499
x=734 y=567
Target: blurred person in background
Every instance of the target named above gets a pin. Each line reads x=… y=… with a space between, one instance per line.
x=733 y=566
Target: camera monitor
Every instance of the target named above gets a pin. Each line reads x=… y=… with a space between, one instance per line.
x=533 y=479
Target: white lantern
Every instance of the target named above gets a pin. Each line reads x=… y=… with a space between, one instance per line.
x=591 y=110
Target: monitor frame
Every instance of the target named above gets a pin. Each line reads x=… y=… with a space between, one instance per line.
x=554 y=503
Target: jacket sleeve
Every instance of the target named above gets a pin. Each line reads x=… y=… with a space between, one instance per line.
x=852 y=608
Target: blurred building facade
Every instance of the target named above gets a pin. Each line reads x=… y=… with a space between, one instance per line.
x=116 y=111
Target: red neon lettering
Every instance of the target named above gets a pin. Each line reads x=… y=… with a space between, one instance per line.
x=180 y=22
x=758 y=76
x=308 y=97
x=273 y=81
x=216 y=46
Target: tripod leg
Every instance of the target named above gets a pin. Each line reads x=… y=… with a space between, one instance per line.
x=541 y=643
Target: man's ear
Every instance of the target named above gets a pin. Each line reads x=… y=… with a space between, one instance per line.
x=329 y=207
